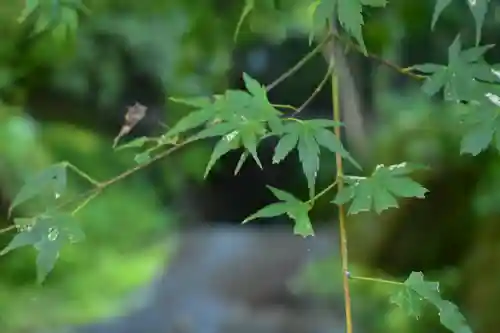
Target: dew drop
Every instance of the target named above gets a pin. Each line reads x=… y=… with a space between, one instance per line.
x=229 y=137
x=24 y=227
x=53 y=234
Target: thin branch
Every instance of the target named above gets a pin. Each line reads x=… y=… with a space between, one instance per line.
x=299 y=64
x=340 y=185
x=323 y=192
x=315 y=92
x=82 y=174
x=351 y=44
x=85 y=202
x=129 y=172
x=285 y=106
x=7 y=229
x=369 y=279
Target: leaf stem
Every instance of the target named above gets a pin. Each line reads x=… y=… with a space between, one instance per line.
x=370 y=279
x=323 y=192
x=349 y=43
x=299 y=64
x=82 y=174
x=340 y=185
x=138 y=167
x=85 y=202
x=404 y=71
x=285 y=106
x=100 y=186
x=7 y=229
x=316 y=91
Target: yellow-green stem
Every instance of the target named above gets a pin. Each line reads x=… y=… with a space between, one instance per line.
x=342 y=217
x=322 y=193
x=7 y=229
x=82 y=174
x=377 y=280
x=86 y=201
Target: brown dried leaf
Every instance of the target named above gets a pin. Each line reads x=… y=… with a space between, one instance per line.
x=134 y=115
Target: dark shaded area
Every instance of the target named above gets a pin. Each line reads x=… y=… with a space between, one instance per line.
x=412 y=225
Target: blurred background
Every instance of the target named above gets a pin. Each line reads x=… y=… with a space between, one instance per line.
x=68 y=72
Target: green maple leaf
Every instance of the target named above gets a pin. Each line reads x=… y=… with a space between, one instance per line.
x=350 y=15
x=437 y=80
x=48 y=234
x=235 y=107
x=240 y=118
x=285 y=146
x=479 y=8
x=243 y=158
x=143 y=157
x=67 y=23
x=256 y=89
x=409 y=301
x=460 y=77
x=321 y=13
x=51 y=180
x=249 y=140
x=464 y=68
x=289 y=205
x=57 y=16
x=425 y=289
x=481 y=126
x=260 y=104
x=308 y=136
x=380 y=190
x=348 y=12
x=226 y=144
x=249 y=6
x=451 y=318
x=438 y=10
x=300 y=215
x=411 y=295
x=308 y=149
x=30 y=7
x=206 y=111
x=300 y=135
x=136 y=143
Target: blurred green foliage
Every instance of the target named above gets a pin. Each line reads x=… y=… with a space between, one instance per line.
x=118 y=225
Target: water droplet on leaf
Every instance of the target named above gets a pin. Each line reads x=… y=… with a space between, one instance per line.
x=53 y=234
